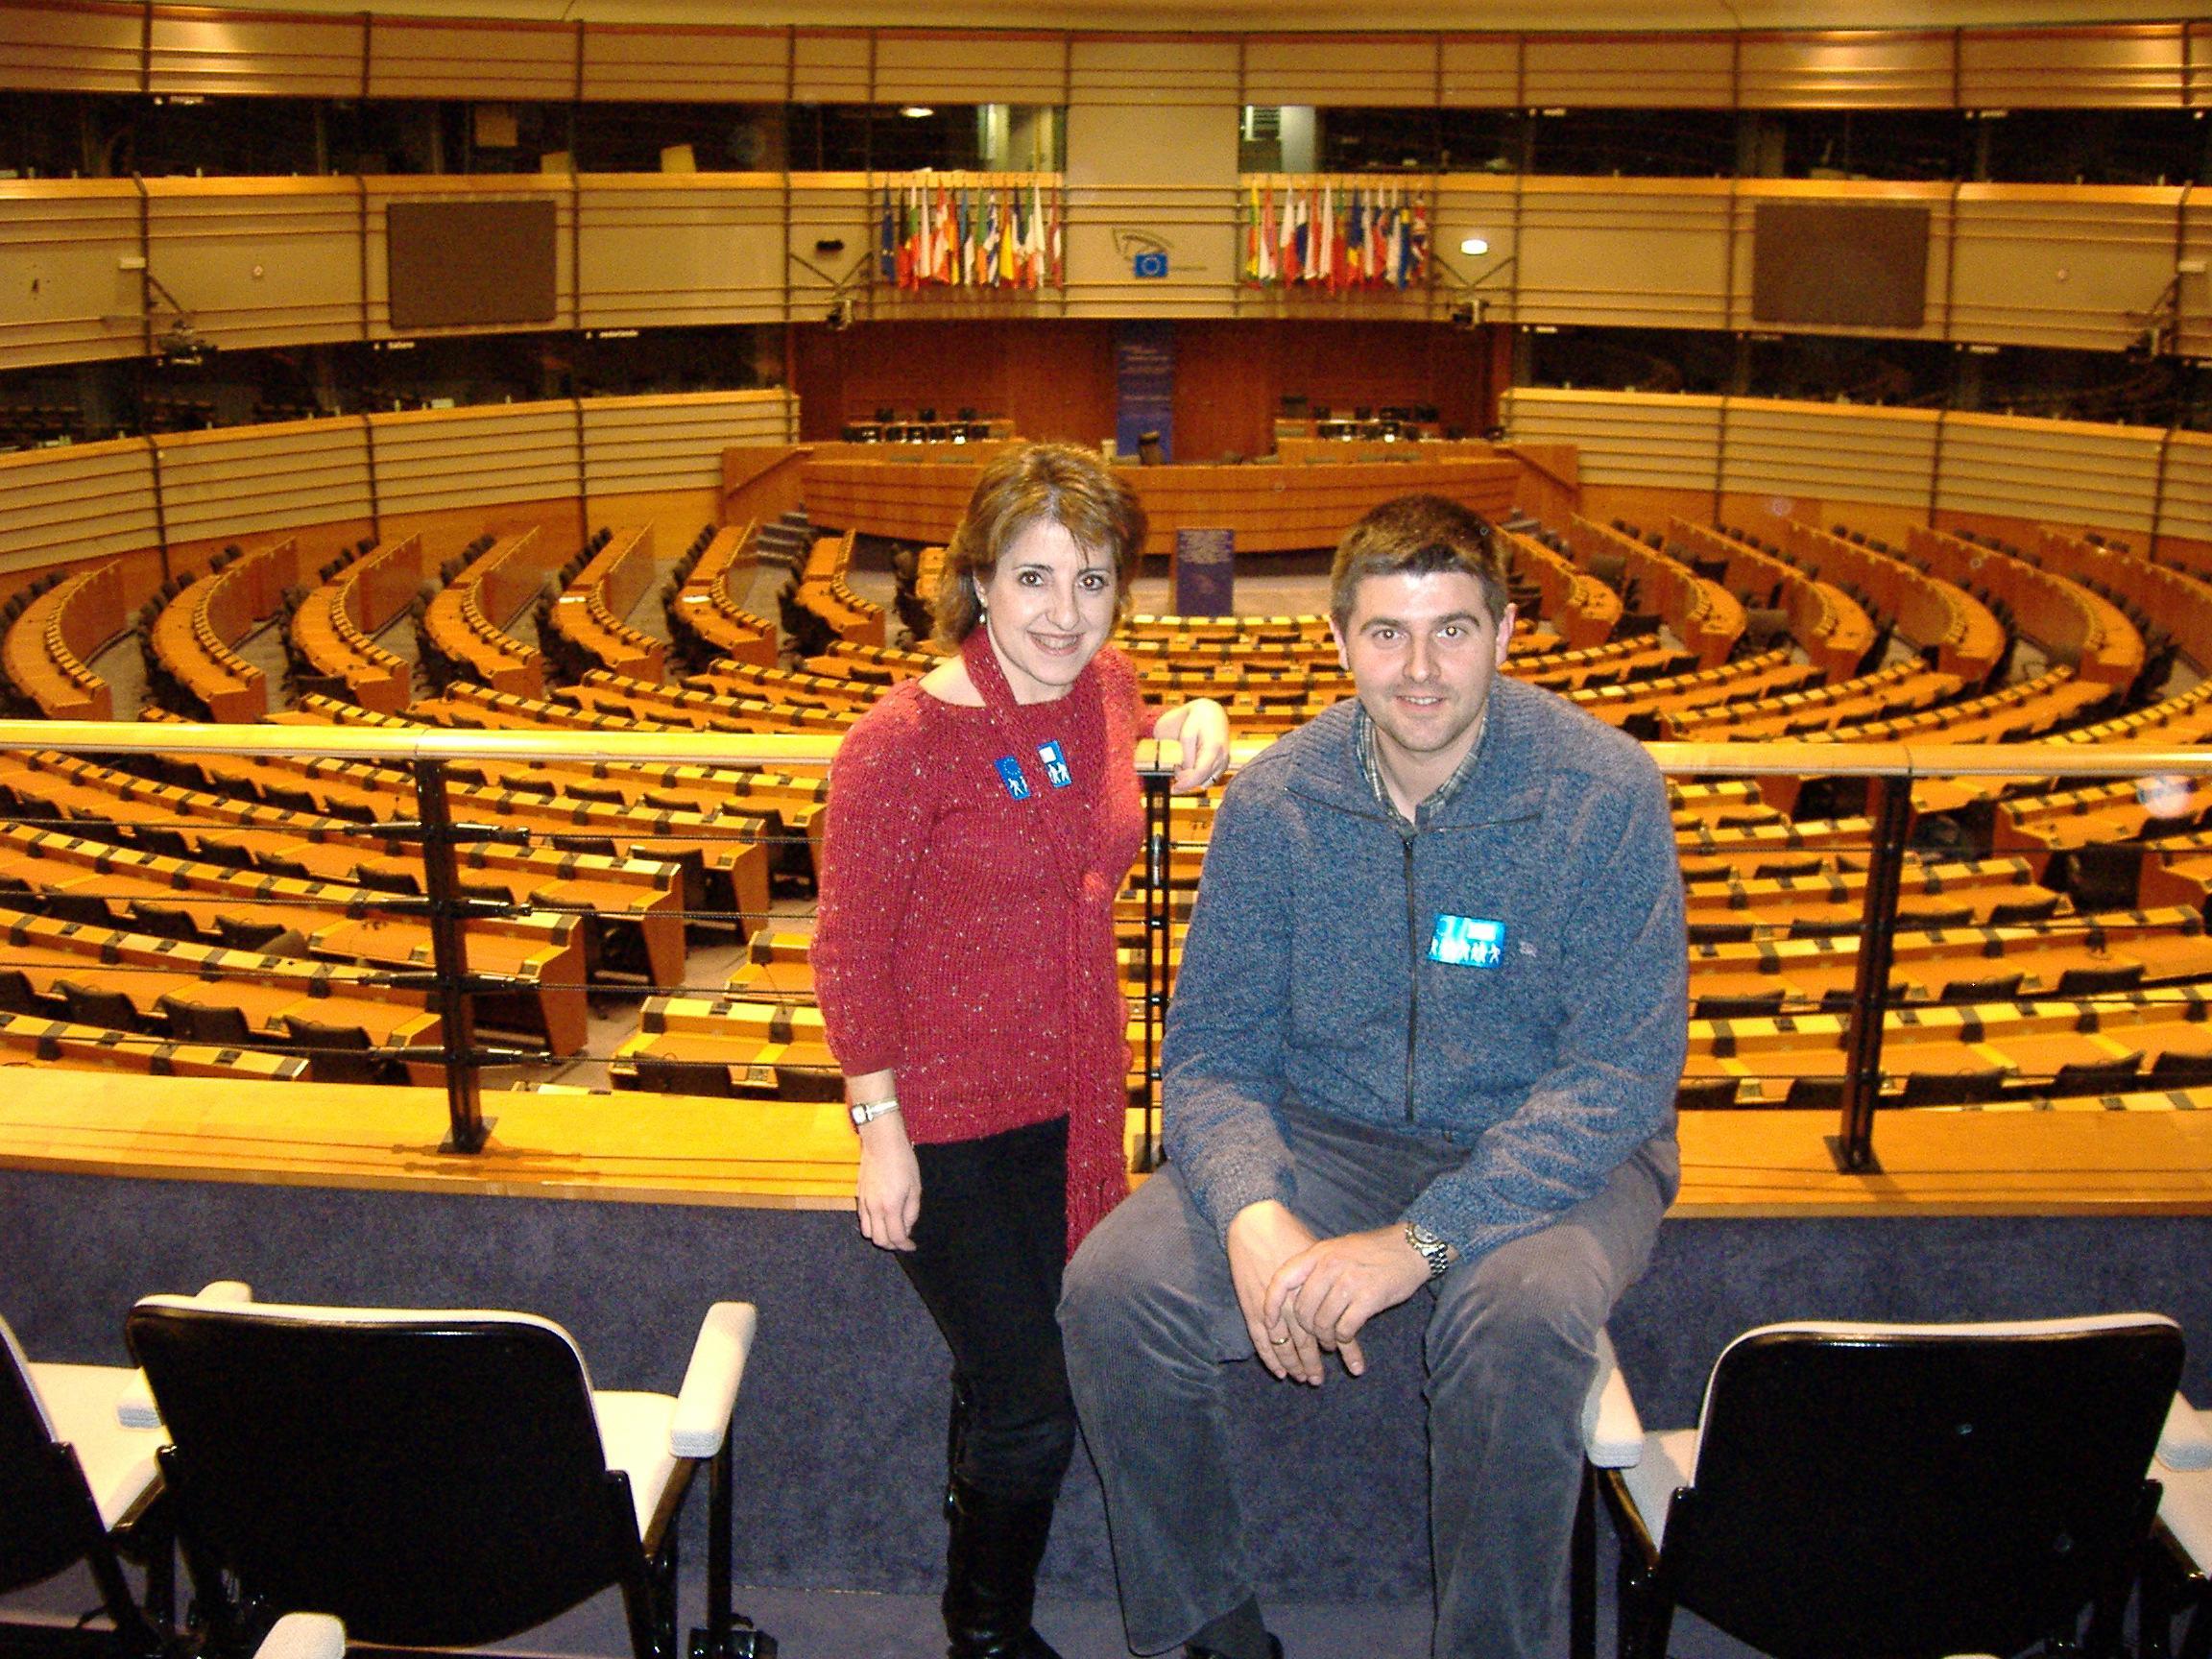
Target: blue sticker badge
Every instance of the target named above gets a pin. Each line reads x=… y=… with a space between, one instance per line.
x=1010 y=775
x=1055 y=764
x=1468 y=942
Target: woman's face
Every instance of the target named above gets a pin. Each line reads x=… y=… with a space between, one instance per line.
x=1048 y=607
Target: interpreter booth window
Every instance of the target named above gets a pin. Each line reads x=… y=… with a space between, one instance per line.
x=458 y=371
x=653 y=362
x=112 y=136
x=1848 y=369
x=2122 y=147
x=1634 y=143
x=412 y=135
x=1629 y=359
x=908 y=137
x=2136 y=387
x=1914 y=145
x=680 y=138
x=1302 y=138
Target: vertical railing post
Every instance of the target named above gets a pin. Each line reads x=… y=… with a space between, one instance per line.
x=1159 y=863
x=450 y=961
x=1853 y=1144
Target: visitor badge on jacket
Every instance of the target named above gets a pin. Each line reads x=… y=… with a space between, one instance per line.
x=1010 y=775
x=1055 y=764
x=1466 y=941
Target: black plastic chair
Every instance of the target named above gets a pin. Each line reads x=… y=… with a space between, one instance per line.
x=435 y=1478
x=1906 y=1490
x=76 y=1485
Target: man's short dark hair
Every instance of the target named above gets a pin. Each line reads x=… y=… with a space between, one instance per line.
x=1417 y=536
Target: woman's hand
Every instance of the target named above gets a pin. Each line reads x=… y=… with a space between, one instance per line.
x=890 y=1187
x=1202 y=728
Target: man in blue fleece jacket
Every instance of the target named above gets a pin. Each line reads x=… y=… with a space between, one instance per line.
x=1426 y=1035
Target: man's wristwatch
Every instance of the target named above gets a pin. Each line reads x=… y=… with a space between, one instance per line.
x=1435 y=1251
x=867 y=1113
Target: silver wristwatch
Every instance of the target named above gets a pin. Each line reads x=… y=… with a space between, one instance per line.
x=1435 y=1251
x=867 y=1113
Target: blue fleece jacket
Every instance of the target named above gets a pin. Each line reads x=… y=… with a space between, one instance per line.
x=1513 y=976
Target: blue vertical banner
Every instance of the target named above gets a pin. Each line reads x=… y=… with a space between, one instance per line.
x=1205 y=575
x=1144 y=384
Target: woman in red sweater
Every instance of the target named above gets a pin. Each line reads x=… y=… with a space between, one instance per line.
x=981 y=820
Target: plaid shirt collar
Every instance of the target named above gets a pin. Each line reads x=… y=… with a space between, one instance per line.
x=1371 y=764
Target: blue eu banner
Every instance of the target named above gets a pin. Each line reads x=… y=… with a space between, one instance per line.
x=1149 y=264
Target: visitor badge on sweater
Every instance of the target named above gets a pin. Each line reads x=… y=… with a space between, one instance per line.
x=1055 y=766
x=1466 y=941
x=1010 y=775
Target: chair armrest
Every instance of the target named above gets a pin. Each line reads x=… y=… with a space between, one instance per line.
x=2185 y=1443
x=304 y=1636
x=134 y=1406
x=1612 y=1432
x=710 y=1391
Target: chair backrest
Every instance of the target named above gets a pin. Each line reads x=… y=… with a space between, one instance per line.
x=47 y=1516
x=429 y=1477
x=1921 y=1490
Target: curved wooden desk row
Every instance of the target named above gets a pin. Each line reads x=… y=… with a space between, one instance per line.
x=2178 y=604
x=466 y=623
x=1703 y=615
x=1583 y=608
x=335 y=628
x=592 y=614
x=194 y=636
x=1925 y=609
x=51 y=644
x=1832 y=627
x=706 y=606
x=1268 y=509
x=823 y=594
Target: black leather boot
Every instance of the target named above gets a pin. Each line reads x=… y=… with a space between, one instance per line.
x=990 y=1575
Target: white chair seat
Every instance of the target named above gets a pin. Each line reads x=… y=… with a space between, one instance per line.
x=80 y=1402
x=2186 y=1508
x=633 y=1429
x=1653 y=1479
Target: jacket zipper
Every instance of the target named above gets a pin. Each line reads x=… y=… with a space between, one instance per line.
x=1414 y=973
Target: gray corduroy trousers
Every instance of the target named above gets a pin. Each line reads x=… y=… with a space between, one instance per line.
x=1149 y=1319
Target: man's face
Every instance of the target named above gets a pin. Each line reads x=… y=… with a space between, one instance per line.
x=1423 y=652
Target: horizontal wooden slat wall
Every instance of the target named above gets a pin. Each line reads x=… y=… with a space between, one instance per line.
x=1343 y=70
x=1480 y=72
x=651 y=444
x=1624 y=253
x=642 y=63
x=915 y=66
x=258 y=262
x=2069 y=472
x=470 y=58
x=241 y=480
x=2107 y=67
x=832 y=66
x=832 y=207
x=1781 y=448
x=1673 y=442
x=64 y=296
x=440 y=458
x=1617 y=71
x=2186 y=498
x=2047 y=267
x=685 y=248
x=90 y=48
x=1198 y=224
x=225 y=53
x=81 y=502
x=1153 y=70
x=1847 y=69
x=2195 y=293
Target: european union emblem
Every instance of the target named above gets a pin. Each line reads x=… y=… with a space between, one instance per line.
x=1010 y=775
x=1468 y=942
x=1055 y=764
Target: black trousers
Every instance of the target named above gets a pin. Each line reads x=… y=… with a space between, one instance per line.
x=988 y=1250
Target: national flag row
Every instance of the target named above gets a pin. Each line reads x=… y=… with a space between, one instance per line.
x=1335 y=235
x=939 y=233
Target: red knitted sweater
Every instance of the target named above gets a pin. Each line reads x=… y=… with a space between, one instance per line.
x=965 y=937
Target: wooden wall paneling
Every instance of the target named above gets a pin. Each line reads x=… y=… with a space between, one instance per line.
x=1477 y=204
x=91 y=47
x=1624 y=253
x=1823 y=449
x=384 y=190
x=632 y=445
x=830 y=67
x=1937 y=199
x=64 y=296
x=2108 y=66
x=471 y=57
x=2063 y=471
x=832 y=208
x=1479 y=71
x=663 y=251
x=244 y=480
x=2045 y=266
x=647 y=64
x=2196 y=244
x=1107 y=225
x=429 y=460
x=259 y=261
x=225 y=53
x=1341 y=70
x=920 y=66
x=1052 y=378
x=2185 y=511
x=1623 y=71
x=82 y=501
x=1847 y=69
x=1624 y=439
x=1152 y=70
